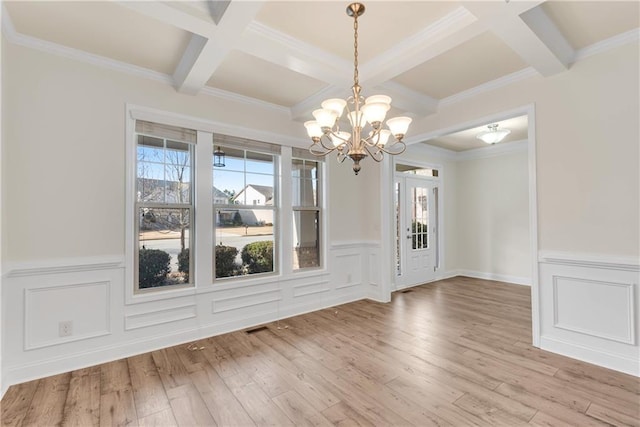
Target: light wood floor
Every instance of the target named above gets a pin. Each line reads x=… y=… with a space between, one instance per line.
x=454 y=352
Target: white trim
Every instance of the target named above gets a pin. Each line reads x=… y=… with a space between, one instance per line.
x=139 y=112
x=62 y=266
x=611 y=262
x=608 y=360
x=517 y=280
x=79 y=55
x=232 y=96
x=533 y=224
x=419 y=144
x=629 y=338
x=523 y=74
x=493 y=150
x=607 y=44
x=354 y=244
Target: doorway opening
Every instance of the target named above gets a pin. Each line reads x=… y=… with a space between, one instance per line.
x=417 y=250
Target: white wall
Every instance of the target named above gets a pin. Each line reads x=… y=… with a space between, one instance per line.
x=587 y=129
x=492 y=217
x=63 y=222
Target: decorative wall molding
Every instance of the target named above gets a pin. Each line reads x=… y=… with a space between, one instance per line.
x=589 y=308
x=62 y=266
x=614 y=262
x=625 y=292
x=246 y=300
x=159 y=316
x=44 y=308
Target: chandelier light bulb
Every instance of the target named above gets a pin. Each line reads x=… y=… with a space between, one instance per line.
x=384 y=99
x=399 y=126
x=335 y=104
x=325 y=118
x=313 y=129
x=375 y=112
x=358 y=120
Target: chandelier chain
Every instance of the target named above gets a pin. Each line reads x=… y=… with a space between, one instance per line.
x=355 y=49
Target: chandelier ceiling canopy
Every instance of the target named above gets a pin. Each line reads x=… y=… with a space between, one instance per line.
x=367 y=135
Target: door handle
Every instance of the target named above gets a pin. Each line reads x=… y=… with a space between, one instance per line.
x=408 y=237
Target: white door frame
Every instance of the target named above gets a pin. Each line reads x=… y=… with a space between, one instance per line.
x=436 y=182
x=388 y=233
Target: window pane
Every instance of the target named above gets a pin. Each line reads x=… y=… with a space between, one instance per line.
x=259 y=163
x=306 y=241
x=233 y=159
x=244 y=242
x=304 y=183
x=163 y=244
x=163 y=171
x=231 y=183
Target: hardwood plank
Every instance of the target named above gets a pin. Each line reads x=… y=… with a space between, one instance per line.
x=188 y=407
x=47 y=404
x=162 y=418
x=222 y=404
x=148 y=392
x=114 y=376
x=299 y=410
x=257 y=404
x=82 y=406
x=613 y=417
x=170 y=368
x=503 y=413
x=343 y=415
x=117 y=408
x=16 y=401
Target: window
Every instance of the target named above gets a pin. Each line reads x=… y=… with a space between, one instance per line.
x=306 y=212
x=163 y=205
x=246 y=220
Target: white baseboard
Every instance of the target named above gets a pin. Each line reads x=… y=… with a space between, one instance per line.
x=518 y=280
x=95 y=356
x=590 y=355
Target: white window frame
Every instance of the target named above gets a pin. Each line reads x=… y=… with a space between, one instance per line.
x=203 y=182
x=318 y=208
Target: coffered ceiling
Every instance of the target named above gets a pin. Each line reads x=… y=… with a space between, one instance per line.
x=290 y=55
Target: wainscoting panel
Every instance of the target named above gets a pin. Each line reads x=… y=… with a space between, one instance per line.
x=589 y=310
x=47 y=307
x=91 y=293
x=159 y=316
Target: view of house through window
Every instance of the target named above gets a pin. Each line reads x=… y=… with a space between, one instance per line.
x=164 y=205
x=245 y=203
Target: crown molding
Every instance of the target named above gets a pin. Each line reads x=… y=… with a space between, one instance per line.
x=70 y=53
x=607 y=44
x=489 y=86
x=432 y=150
x=492 y=150
x=232 y=96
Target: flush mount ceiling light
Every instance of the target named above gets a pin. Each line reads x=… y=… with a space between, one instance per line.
x=493 y=135
x=367 y=137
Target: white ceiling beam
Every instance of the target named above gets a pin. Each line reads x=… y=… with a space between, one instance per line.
x=504 y=20
x=279 y=48
x=414 y=103
x=204 y=55
x=170 y=15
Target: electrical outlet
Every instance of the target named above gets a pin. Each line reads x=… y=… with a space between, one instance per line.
x=65 y=328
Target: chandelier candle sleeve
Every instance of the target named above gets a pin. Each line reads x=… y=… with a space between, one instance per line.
x=365 y=117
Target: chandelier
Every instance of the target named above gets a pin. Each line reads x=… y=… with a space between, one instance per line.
x=494 y=134
x=367 y=137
